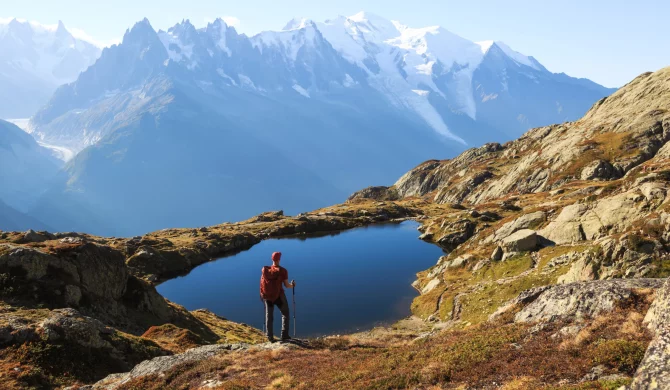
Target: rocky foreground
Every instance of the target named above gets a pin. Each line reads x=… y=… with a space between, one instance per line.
x=556 y=278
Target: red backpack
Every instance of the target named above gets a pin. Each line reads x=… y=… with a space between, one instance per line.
x=270 y=283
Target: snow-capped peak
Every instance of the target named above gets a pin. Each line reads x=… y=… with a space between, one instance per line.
x=297 y=23
x=374 y=28
x=485 y=45
x=139 y=30
x=48 y=51
x=23 y=26
x=509 y=52
x=297 y=34
x=217 y=30
x=516 y=56
x=60 y=29
x=219 y=22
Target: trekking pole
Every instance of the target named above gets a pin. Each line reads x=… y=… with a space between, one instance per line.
x=264 y=314
x=294 y=311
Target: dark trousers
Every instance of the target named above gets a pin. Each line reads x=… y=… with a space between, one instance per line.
x=282 y=303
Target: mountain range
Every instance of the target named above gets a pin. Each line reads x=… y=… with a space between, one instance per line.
x=188 y=127
x=37 y=59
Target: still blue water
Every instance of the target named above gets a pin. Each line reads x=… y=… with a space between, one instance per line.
x=345 y=282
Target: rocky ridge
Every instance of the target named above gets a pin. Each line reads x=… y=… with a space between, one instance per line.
x=583 y=201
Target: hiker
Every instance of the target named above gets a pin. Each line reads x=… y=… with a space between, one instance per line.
x=273 y=280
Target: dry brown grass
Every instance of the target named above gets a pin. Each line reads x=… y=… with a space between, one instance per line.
x=509 y=355
x=173 y=338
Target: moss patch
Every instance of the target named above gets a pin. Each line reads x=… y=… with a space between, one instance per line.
x=480 y=304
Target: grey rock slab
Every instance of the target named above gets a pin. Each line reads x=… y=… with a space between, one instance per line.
x=654 y=370
x=525 y=221
x=164 y=363
x=521 y=241
x=582 y=299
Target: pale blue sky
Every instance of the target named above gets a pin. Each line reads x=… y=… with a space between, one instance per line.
x=608 y=41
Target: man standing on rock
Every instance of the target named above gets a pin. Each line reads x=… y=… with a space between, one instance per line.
x=273 y=280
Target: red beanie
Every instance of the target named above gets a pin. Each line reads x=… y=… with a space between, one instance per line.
x=276 y=256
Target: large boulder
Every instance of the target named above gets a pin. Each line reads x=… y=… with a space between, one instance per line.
x=376 y=193
x=34 y=264
x=583 y=299
x=102 y=270
x=455 y=233
x=521 y=241
x=567 y=227
x=92 y=278
x=608 y=215
x=33 y=236
x=581 y=270
x=526 y=221
x=68 y=324
x=95 y=271
x=497 y=254
x=161 y=364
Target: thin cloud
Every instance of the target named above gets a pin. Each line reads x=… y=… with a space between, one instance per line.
x=231 y=21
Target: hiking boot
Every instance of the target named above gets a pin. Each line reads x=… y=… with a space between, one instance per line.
x=271 y=340
x=285 y=339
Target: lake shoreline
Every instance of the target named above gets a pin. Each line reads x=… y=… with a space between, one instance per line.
x=369 y=286
x=160 y=256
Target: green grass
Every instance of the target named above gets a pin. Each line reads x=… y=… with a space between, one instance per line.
x=479 y=305
x=623 y=355
x=504 y=269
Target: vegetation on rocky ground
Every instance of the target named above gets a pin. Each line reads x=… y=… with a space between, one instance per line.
x=493 y=355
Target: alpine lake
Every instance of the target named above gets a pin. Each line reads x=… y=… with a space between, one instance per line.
x=345 y=282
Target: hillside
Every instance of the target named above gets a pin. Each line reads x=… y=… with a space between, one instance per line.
x=556 y=277
x=591 y=193
x=26 y=168
x=12 y=219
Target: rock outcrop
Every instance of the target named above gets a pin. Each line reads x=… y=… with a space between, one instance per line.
x=599 y=170
x=90 y=277
x=583 y=299
x=654 y=370
x=521 y=241
x=164 y=363
x=526 y=221
x=376 y=193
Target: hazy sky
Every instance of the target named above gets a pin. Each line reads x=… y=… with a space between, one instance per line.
x=608 y=41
